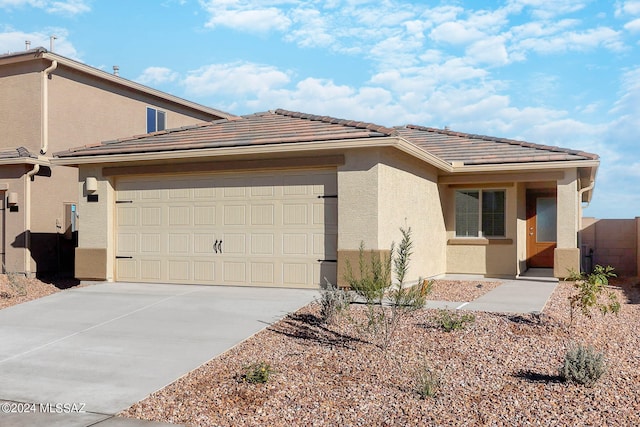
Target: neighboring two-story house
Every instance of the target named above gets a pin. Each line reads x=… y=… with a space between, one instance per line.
x=50 y=103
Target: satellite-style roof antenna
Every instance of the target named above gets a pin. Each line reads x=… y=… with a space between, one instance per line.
x=51 y=39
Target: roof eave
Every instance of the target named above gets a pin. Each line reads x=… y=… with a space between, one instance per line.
x=503 y=167
x=227 y=151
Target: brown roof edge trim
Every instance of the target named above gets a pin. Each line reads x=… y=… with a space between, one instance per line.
x=504 y=141
x=332 y=120
x=229 y=165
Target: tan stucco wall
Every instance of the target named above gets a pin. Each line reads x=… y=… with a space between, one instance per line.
x=14 y=238
x=409 y=197
x=381 y=191
x=96 y=225
x=568 y=210
x=20 y=106
x=498 y=258
x=87 y=110
x=614 y=242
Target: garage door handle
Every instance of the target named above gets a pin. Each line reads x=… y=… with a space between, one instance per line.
x=215 y=246
x=220 y=246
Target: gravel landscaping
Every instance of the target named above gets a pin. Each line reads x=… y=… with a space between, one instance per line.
x=498 y=370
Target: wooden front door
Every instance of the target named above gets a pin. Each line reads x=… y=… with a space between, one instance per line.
x=541 y=228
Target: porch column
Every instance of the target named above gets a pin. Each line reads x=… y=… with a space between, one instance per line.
x=567 y=253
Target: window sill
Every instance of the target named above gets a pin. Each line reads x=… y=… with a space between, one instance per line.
x=478 y=241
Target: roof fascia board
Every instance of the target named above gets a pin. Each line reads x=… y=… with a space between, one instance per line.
x=501 y=167
x=25 y=161
x=133 y=85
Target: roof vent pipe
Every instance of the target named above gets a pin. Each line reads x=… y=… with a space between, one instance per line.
x=116 y=70
x=51 y=39
x=27 y=45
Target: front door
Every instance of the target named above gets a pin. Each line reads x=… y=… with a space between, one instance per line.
x=541 y=228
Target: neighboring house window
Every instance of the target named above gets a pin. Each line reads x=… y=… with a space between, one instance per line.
x=480 y=213
x=156 y=120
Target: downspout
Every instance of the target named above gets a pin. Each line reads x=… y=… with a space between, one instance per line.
x=580 y=207
x=45 y=106
x=27 y=219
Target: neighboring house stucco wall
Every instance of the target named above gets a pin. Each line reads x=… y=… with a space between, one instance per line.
x=87 y=110
x=20 y=105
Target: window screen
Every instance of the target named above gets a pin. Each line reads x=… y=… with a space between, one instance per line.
x=467 y=214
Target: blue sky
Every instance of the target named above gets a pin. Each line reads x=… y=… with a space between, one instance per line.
x=554 y=72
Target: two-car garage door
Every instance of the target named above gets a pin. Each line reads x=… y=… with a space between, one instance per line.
x=256 y=229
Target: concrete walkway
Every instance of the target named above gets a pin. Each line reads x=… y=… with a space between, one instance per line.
x=101 y=348
x=526 y=294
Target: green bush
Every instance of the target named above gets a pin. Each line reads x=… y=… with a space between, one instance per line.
x=582 y=365
x=589 y=290
x=257 y=373
x=452 y=321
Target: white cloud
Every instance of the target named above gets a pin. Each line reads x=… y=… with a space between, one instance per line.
x=239 y=78
x=547 y=9
x=14 y=41
x=245 y=16
x=455 y=33
x=157 y=75
x=633 y=26
x=69 y=7
x=631 y=7
x=491 y=51
x=601 y=37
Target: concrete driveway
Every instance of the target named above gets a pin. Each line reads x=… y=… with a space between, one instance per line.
x=109 y=345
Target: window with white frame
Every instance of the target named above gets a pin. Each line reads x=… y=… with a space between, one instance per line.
x=480 y=213
x=156 y=120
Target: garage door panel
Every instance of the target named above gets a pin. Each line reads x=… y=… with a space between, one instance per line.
x=235 y=215
x=150 y=216
x=127 y=216
x=179 y=270
x=259 y=229
x=262 y=273
x=150 y=269
x=234 y=272
x=263 y=214
x=179 y=215
x=150 y=243
x=204 y=271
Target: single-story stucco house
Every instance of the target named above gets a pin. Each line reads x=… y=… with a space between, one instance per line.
x=283 y=198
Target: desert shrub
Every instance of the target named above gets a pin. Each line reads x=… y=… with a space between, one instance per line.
x=428 y=381
x=256 y=373
x=387 y=302
x=589 y=292
x=333 y=301
x=582 y=365
x=450 y=321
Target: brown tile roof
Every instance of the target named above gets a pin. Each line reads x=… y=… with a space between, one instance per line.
x=272 y=127
x=282 y=126
x=16 y=153
x=481 y=150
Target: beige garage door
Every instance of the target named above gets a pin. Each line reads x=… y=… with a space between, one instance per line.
x=255 y=229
